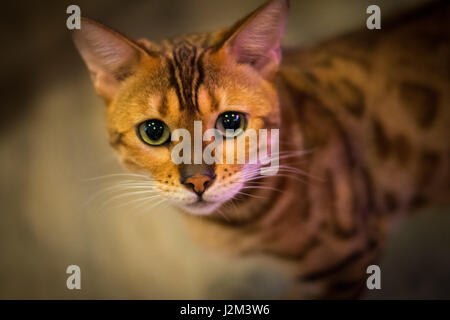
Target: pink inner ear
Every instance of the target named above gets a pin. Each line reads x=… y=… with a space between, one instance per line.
x=256 y=52
x=107 y=55
x=258 y=41
x=276 y=53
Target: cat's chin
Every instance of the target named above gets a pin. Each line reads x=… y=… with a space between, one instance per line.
x=201 y=207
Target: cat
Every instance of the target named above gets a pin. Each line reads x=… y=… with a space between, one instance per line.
x=364 y=124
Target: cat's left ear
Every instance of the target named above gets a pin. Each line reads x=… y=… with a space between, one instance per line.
x=256 y=39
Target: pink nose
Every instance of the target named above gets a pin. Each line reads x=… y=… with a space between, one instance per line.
x=198 y=183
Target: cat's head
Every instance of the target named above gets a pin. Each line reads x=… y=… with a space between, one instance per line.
x=223 y=79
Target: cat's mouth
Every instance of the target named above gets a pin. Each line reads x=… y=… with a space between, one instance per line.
x=199 y=203
x=200 y=207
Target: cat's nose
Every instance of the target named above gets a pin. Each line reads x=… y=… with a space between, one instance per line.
x=198 y=183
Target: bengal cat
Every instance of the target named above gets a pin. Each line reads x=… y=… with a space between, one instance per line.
x=364 y=126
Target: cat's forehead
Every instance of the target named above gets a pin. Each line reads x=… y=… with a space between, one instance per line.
x=200 y=41
x=172 y=89
x=187 y=81
x=183 y=69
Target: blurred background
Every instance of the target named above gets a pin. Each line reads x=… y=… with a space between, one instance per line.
x=53 y=142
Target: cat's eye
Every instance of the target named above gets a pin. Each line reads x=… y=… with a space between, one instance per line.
x=154 y=132
x=231 y=120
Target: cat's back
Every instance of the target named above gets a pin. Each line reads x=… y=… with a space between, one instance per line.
x=413 y=47
x=389 y=90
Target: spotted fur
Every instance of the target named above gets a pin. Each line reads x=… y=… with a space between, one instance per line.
x=371 y=107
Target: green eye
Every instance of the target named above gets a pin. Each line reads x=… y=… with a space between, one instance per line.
x=154 y=132
x=231 y=120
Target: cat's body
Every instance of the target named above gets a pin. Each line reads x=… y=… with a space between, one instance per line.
x=372 y=111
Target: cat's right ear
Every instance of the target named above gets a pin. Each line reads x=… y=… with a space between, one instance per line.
x=109 y=56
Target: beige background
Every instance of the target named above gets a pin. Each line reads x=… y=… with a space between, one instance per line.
x=53 y=139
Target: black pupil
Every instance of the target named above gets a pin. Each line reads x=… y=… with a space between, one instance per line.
x=154 y=129
x=231 y=120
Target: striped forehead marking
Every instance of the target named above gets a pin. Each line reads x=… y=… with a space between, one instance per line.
x=186 y=73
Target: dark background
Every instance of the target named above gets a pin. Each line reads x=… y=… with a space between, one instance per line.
x=52 y=139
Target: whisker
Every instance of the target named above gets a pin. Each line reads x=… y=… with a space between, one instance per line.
x=135 y=201
x=142 y=207
x=124 y=195
x=111 y=190
x=250 y=195
x=219 y=210
x=261 y=188
x=116 y=175
x=278 y=175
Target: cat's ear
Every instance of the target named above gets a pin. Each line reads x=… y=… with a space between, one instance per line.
x=256 y=39
x=109 y=56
